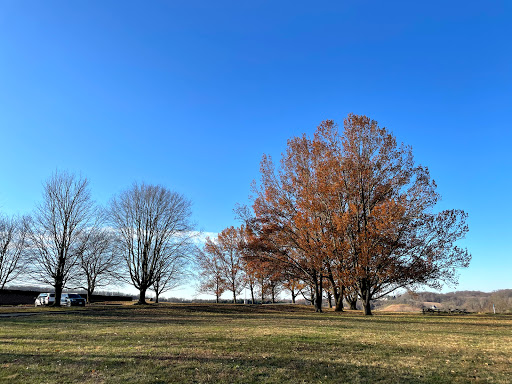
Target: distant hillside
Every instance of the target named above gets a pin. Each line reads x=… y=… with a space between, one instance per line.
x=472 y=301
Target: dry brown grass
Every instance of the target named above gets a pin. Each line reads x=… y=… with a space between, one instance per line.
x=400 y=308
x=252 y=344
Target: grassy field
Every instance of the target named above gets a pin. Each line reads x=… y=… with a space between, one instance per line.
x=250 y=344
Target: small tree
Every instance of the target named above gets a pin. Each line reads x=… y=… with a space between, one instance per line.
x=250 y=277
x=13 y=248
x=293 y=285
x=59 y=230
x=174 y=269
x=99 y=263
x=211 y=280
x=250 y=264
x=226 y=249
x=168 y=277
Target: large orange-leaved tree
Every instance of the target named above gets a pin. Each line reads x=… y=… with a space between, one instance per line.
x=354 y=209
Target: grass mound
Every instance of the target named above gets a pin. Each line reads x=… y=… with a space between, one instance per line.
x=400 y=308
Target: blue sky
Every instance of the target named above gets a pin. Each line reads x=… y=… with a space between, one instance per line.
x=190 y=94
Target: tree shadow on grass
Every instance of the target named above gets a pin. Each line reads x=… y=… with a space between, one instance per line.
x=146 y=368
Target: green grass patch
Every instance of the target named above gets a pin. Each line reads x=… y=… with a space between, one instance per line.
x=250 y=344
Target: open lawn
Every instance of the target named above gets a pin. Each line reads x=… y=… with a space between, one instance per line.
x=250 y=344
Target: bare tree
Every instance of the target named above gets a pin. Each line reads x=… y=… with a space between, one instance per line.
x=170 y=276
x=13 y=246
x=60 y=224
x=99 y=263
x=149 y=221
x=211 y=274
x=174 y=269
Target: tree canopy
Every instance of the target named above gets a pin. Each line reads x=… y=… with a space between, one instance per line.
x=354 y=209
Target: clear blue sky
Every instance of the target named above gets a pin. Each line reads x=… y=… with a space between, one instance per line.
x=190 y=94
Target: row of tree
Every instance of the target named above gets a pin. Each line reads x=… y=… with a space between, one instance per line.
x=144 y=237
x=224 y=266
x=348 y=212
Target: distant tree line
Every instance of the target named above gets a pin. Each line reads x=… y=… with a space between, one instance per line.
x=472 y=301
x=144 y=237
x=347 y=215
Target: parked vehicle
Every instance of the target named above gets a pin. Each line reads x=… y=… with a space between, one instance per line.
x=72 y=299
x=45 y=299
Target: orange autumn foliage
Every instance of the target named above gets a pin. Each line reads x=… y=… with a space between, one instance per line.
x=354 y=209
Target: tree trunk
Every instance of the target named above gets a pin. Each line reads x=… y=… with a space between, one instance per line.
x=157 y=295
x=252 y=293
x=336 y=292
x=366 y=301
x=339 y=300
x=234 y=297
x=293 y=296
x=318 y=301
x=58 y=294
x=318 y=293
x=351 y=298
x=312 y=295
x=329 y=298
x=142 y=296
x=217 y=290
x=273 y=294
x=339 y=305
x=367 y=307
